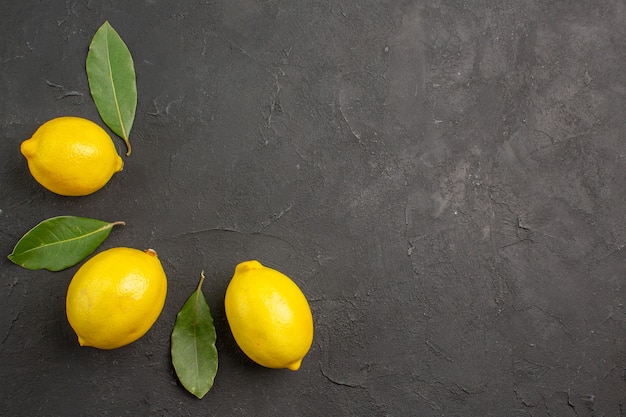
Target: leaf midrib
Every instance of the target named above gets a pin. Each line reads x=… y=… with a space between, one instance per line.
x=115 y=101
x=59 y=242
x=195 y=333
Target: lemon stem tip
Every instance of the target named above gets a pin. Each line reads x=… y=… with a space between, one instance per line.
x=294 y=366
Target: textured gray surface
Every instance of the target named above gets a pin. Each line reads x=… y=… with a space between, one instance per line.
x=445 y=181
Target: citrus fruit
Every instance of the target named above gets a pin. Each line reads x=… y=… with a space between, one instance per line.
x=269 y=316
x=115 y=297
x=71 y=156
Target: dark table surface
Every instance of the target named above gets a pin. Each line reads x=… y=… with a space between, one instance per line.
x=445 y=180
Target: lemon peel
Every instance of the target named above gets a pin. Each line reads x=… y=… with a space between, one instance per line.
x=115 y=297
x=269 y=316
x=71 y=156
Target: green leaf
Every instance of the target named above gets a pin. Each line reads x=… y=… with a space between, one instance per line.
x=194 y=354
x=112 y=81
x=60 y=242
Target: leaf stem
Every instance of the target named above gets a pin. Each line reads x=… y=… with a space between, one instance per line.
x=201 y=281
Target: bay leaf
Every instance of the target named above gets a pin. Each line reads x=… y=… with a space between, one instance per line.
x=194 y=354
x=60 y=242
x=112 y=81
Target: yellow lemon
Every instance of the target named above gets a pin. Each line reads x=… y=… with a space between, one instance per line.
x=269 y=316
x=71 y=156
x=115 y=297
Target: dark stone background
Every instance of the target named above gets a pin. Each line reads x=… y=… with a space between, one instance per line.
x=445 y=180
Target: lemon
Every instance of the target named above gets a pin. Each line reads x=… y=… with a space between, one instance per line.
x=115 y=297
x=71 y=156
x=269 y=316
